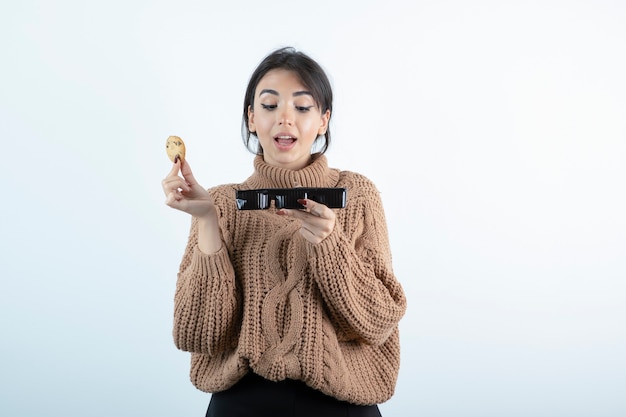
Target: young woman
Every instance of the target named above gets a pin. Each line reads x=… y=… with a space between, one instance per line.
x=287 y=312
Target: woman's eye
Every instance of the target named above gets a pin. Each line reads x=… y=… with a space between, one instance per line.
x=268 y=106
x=303 y=109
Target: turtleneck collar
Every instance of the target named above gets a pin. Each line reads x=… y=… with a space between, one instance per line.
x=316 y=174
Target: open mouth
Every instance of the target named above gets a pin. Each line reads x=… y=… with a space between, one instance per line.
x=285 y=140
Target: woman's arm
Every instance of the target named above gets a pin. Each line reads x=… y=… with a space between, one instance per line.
x=206 y=302
x=355 y=274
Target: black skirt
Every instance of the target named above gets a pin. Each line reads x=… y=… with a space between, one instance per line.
x=255 y=396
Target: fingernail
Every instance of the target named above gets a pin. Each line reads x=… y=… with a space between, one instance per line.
x=302 y=201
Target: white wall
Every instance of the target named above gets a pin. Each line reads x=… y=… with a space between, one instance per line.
x=495 y=130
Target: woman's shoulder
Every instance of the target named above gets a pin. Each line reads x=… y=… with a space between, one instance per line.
x=361 y=190
x=228 y=186
x=223 y=188
x=223 y=192
x=356 y=181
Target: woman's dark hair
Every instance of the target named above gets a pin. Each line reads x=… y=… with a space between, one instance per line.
x=311 y=75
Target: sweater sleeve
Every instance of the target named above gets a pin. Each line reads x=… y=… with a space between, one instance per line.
x=206 y=304
x=355 y=276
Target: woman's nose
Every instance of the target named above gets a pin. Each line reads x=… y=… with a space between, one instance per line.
x=285 y=116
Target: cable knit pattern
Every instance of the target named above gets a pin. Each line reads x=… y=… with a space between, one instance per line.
x=271 y=301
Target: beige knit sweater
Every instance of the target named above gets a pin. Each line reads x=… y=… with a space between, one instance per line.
x=272 y=302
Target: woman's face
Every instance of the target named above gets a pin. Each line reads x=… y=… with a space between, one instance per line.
x=286 y=119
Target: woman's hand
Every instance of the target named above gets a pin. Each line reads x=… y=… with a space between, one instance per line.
x=184 y=193
x=318 y=221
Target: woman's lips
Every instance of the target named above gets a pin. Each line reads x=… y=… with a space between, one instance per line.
x=284 y=142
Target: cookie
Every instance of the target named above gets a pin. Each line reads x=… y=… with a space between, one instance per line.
x=175 y=147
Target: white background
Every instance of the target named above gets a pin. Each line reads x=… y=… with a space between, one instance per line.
x=495 y=130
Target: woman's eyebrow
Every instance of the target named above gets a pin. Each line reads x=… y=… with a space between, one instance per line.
x=274 y=92
x=268 y=91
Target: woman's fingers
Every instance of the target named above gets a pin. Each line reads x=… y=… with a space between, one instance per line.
x=318 y=221
x=184 y=193
x=187 y=173
x=317 y=209
x=174 y=182
x=175 y=167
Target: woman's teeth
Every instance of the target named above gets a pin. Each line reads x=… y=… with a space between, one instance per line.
x=284 y=139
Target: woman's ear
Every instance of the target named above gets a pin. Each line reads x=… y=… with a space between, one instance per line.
x=251 y=125
x=323 y=124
